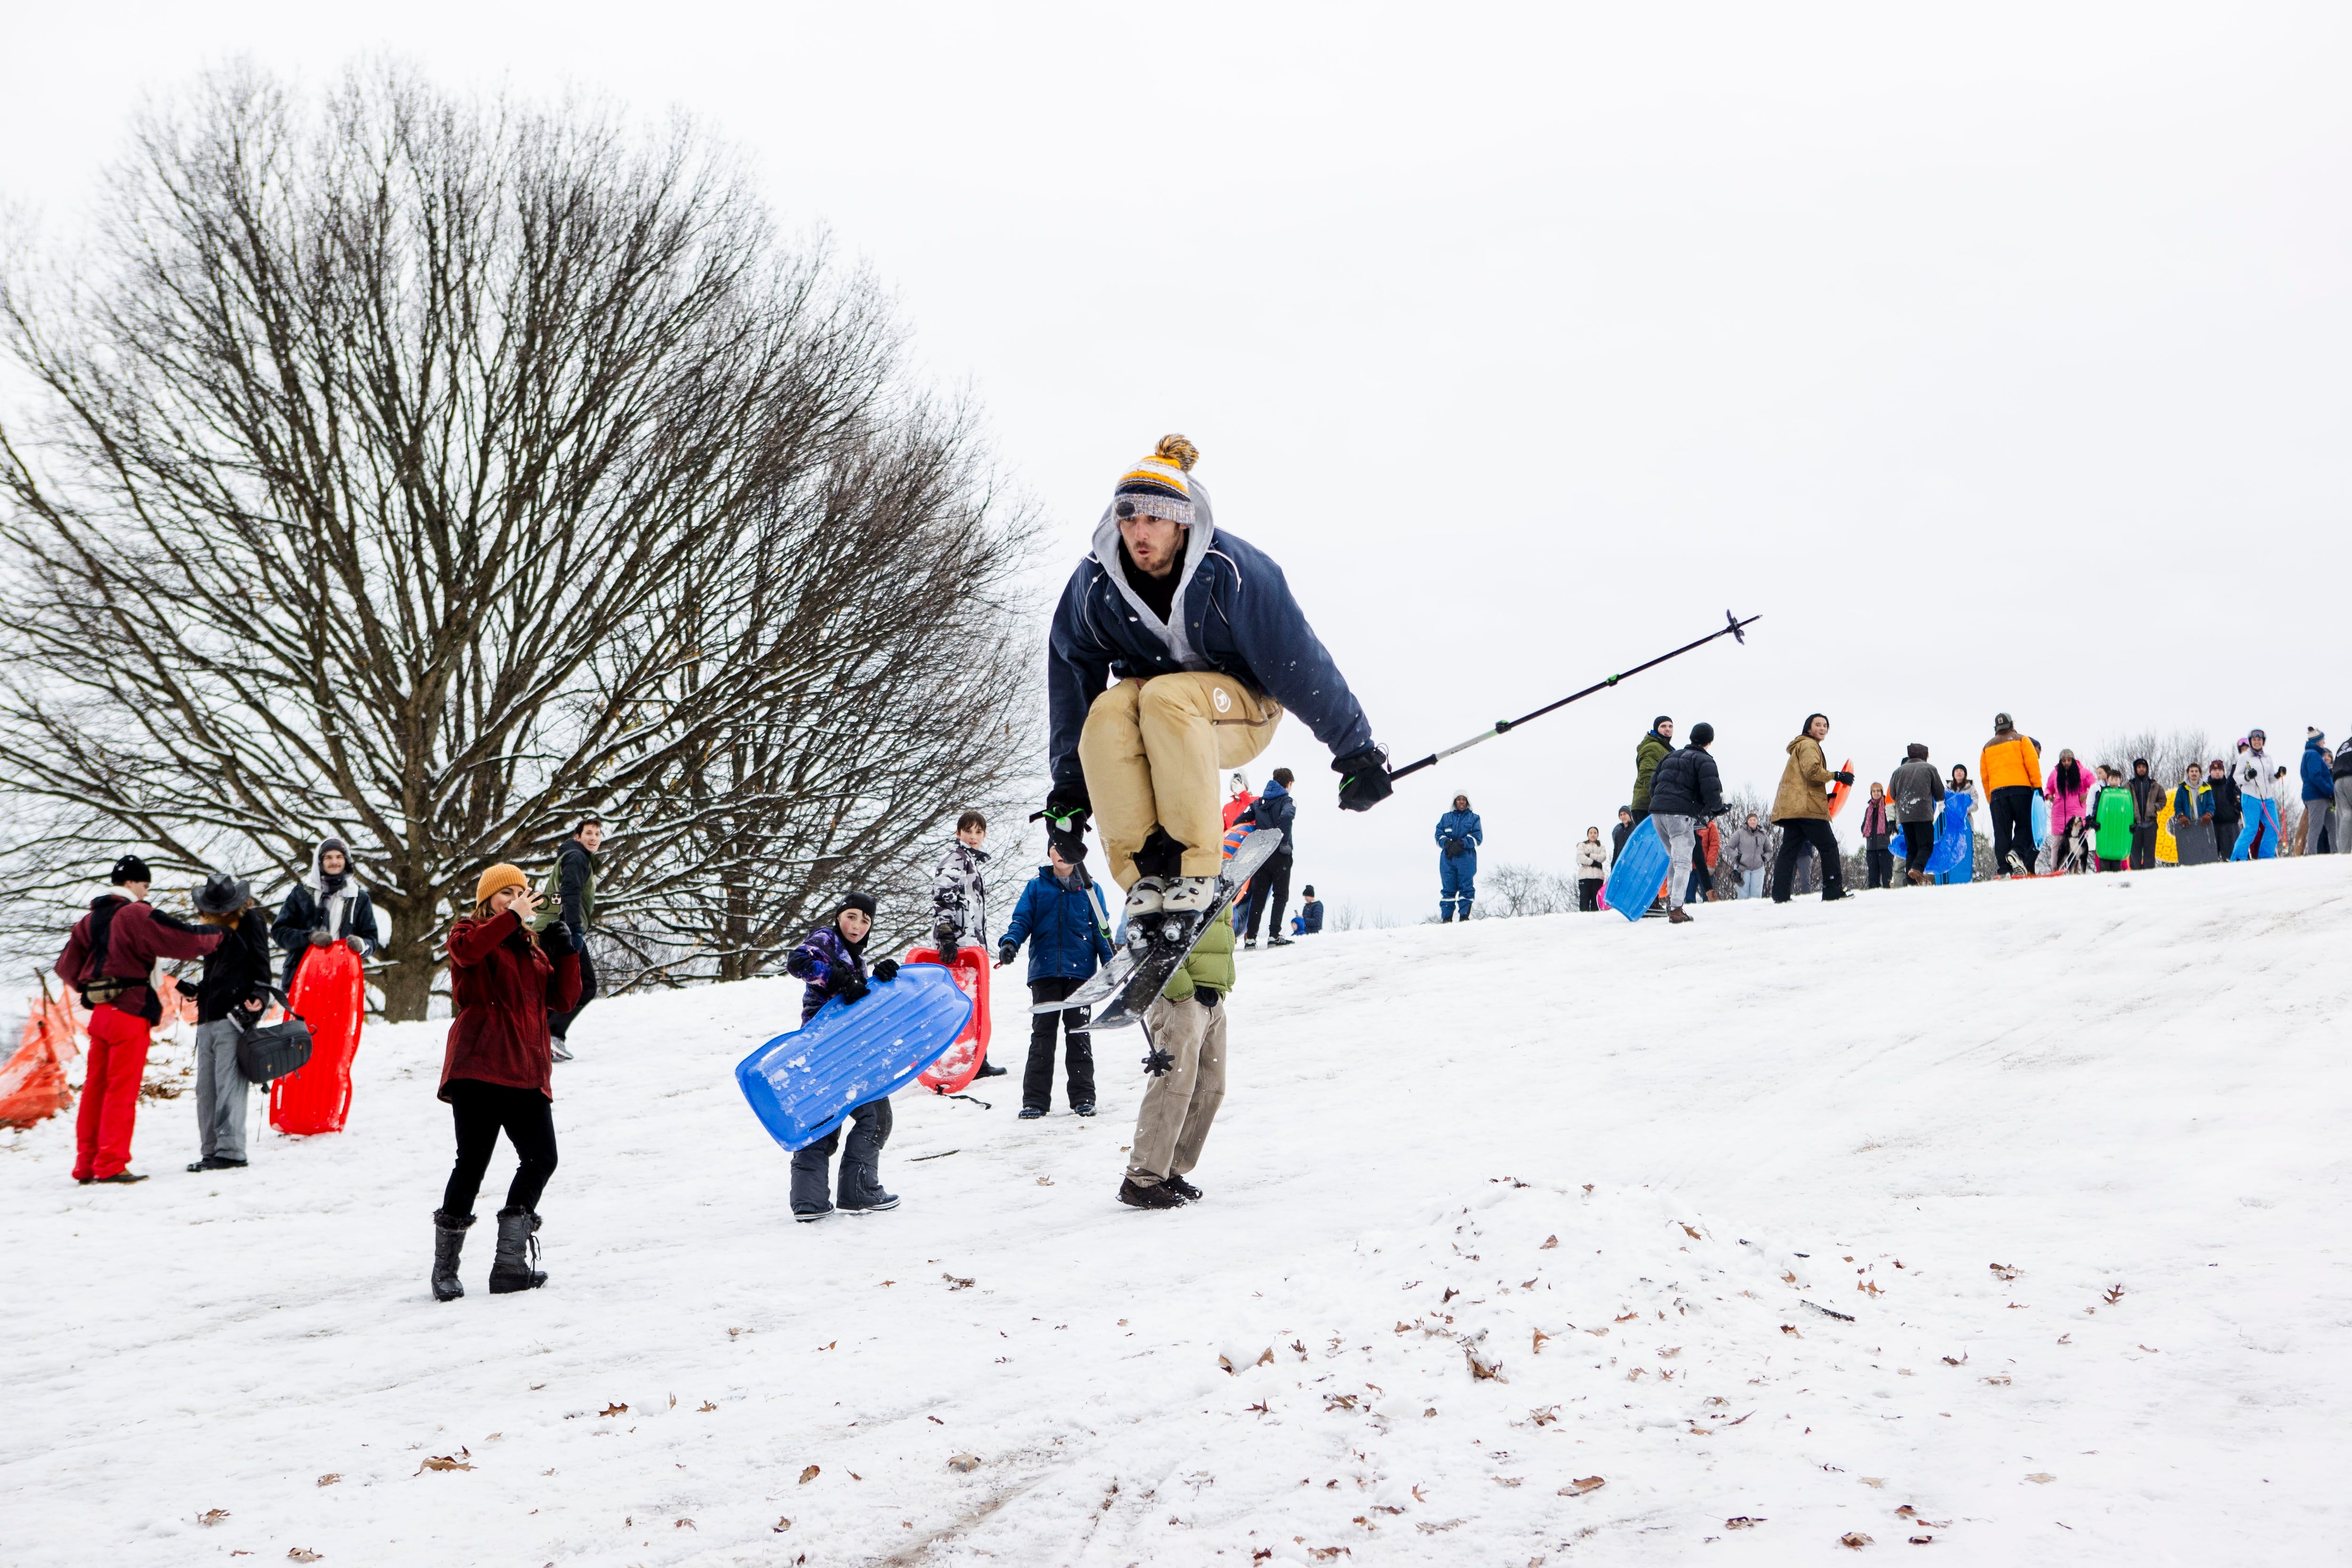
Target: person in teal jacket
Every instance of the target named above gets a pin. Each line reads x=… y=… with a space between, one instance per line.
x=1458 y=837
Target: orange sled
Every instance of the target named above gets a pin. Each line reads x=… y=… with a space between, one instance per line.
x=953 y=1072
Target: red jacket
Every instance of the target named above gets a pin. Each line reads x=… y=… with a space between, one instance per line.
x=137 y=936
x=502 y=985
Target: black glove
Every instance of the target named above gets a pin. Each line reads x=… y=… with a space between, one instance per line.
x=1158 y=1063
x=1456 y=848
x=1363 y=778
x=887 y=969
x=323 y=936
x=1206 y=996
x=1065 y=816
x=1005 y=952
x=557 y=940
x=853 y=992
x=1844 y=778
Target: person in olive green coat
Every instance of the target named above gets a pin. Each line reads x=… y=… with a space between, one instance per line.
x=1652 y=749
x=1186 y=1028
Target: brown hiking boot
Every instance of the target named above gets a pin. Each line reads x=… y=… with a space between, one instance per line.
x=1680 y=917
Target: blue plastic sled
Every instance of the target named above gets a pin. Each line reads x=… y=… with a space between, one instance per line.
x=1640 y=872
x=801 y=1084
x=2040 y=819
x=1956 y=847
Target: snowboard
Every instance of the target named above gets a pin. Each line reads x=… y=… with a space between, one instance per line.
x=330 y=996
x=1838 y=792
x=1640 y=870
x=1138 y=971
x=801 y=1085
x=953 y=1072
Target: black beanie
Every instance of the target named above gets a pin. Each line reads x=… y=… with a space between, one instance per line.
x=862 y=903
x=130 y=869
x=1662 y=719
x=1701 y=733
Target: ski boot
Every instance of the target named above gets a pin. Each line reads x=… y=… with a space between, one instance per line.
x=1182 y=903
x=510 y=1268
x=1182 y=1189
x=448 y=1240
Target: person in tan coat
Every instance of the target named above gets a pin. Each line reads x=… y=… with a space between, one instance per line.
x=1801 y=808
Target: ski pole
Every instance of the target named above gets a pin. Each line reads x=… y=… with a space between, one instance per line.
x=1731 y=628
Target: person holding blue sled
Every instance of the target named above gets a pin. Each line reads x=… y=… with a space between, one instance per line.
x=832 y=960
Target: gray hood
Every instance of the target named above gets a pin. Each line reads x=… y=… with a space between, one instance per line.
x=1200 y=536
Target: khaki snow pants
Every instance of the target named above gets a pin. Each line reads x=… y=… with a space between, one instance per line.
x=1153 y=751
x=1179 y=1104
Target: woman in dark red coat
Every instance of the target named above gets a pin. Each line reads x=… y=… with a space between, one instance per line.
x=497 y=1073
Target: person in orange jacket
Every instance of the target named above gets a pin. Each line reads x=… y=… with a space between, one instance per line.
x=2009 y=770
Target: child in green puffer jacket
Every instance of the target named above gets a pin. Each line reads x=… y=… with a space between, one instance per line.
x=1186 y=1028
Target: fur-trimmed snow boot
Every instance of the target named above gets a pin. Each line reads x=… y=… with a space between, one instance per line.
x=510 y=1269
x=448 y=1240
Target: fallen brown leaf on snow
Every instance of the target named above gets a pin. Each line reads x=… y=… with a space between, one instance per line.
x=809 y=1475
x=613 y=1410
x=781 y=1526
x=2042 y=1477
x=705 y=1408
x=1853 y=1541
x=1537 y=1349
x=1548 y=1243
x=1876 y=1482
x=302 y=1554
x=441 y=1462
x=212 y=1516
x=2002 y=1271
x=1689 y=1232
x=1579 y=1487
x=1741 y=1521
x=331 y=1477
x=964 y=1463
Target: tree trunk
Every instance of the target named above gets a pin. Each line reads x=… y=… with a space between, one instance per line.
x=407 y=977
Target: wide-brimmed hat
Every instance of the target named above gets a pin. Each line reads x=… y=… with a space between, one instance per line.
x=222 y=894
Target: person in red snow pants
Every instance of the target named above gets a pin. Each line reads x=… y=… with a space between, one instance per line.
x=109 y=1093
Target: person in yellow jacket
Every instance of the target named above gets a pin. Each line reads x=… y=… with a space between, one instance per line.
x=1801 y=810
x=1187 y=1030
x=2010 y=769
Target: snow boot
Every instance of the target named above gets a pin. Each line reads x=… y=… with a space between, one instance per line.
x=1680 y=917
x=557 y=1049
x=448 y=1240
x=1032 y=1112
x=1277 y=941
x=861 y=1189
x=1083 y=1108
x=120 y=1178
x=217 y=1162
x=1466 y=911
x=510 y=1268
x=989 y=1070
x=1157 y=1196
x=1249 y=944
x=1182 y=1189
x=809 y=1200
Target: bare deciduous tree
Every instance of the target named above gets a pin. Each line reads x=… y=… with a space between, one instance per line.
x=426 y=470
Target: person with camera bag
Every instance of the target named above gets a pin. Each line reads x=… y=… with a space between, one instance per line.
x=110 y=958
x=230 y=995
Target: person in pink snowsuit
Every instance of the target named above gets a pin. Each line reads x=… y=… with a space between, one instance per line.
x=2068 y=789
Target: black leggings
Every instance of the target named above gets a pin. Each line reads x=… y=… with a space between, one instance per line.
x=1796 y=833
x=1272 y=881
x=482 y=1112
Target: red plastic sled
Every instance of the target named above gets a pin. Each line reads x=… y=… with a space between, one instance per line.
x=329 y=994
x=953 y=1072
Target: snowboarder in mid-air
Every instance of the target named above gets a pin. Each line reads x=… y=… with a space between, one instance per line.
x=1175 y=651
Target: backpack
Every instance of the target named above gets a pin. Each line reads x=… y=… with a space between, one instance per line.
x=97 y=986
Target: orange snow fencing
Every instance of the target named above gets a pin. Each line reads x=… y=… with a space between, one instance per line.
x=33 y=1085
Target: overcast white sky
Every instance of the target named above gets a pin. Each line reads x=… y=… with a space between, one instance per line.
x=1998 y=356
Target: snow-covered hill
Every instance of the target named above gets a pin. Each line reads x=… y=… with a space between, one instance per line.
x=2006 y=1215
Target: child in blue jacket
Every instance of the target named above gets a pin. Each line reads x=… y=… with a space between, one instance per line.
x=1061 y=915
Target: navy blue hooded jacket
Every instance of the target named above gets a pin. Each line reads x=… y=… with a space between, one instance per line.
x=1233 y=614
x=1465 y=826
x=1273 y=812
x=1062 y=926
x=2318 y=778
